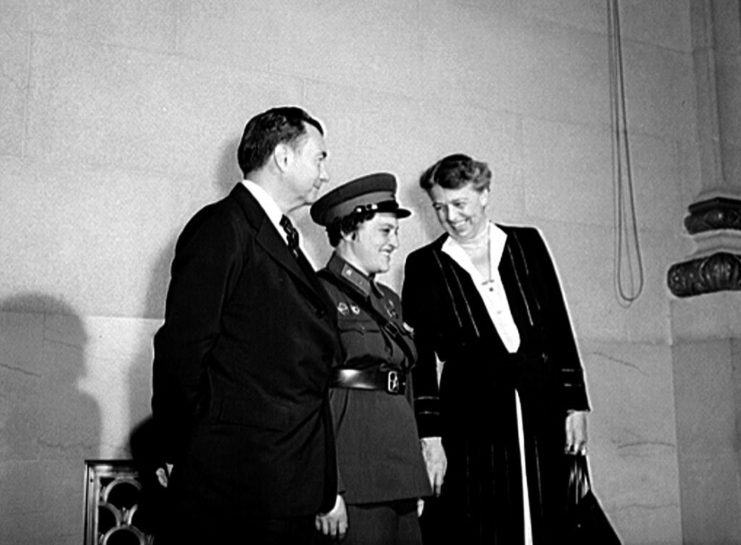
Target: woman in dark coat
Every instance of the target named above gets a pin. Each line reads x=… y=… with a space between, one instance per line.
x=381 y=470
x=487 y=310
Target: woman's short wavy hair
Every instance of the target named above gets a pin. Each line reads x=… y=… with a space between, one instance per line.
x=346 y=225
x=456 y=171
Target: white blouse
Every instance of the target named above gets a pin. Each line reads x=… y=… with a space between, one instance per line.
x=491 y=290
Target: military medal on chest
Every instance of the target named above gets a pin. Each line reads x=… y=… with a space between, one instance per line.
x=390 y=308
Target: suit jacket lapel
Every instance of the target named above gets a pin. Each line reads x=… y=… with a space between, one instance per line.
x=517 y=285
x=270 y=240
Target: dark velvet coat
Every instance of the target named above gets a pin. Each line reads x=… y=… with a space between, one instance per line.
x=241 y=372
x=473 y=408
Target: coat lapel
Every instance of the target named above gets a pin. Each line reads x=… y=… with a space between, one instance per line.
x=274 y=245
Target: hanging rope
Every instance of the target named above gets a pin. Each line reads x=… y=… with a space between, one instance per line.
x=629 y=279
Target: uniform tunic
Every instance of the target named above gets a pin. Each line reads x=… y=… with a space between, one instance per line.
x=378 y=451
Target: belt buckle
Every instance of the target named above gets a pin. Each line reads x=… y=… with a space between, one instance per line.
x=392 y=382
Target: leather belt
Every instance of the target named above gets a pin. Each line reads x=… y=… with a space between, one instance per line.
x=392 y=382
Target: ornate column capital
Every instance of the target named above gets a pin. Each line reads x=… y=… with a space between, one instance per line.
x=716 y=262
x=717 y=272
x=713 y=214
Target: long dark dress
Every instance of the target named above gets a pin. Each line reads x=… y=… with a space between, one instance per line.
x=474 y=409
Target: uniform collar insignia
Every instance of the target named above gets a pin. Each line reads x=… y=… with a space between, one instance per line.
x=350 y=274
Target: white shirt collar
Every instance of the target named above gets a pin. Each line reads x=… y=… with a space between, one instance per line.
x=494 y=297
x=497 y=239
x=267 y=203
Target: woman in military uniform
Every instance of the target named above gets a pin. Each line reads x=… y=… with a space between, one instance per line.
x=382 y=473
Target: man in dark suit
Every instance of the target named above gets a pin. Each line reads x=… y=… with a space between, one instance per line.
x=243 y=359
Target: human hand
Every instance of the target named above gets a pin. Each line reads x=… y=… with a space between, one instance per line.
x=163 y=474
x=435 y=460
x=576 y=432
x=334 y=523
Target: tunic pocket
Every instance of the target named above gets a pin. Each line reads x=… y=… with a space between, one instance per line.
x=361 y=337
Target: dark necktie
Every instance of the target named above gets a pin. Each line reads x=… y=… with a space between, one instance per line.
x=291 y=235
x=303 y=263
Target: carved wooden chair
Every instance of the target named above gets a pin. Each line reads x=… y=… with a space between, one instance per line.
x=114 y=499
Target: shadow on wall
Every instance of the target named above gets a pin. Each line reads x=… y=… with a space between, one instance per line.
x=49 y=423
x=50 y=415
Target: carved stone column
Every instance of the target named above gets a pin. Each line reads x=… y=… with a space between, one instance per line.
x=706 y=330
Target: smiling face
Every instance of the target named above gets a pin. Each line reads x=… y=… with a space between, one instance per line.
x=462 y=211
x=306 y=171
x=369 y=248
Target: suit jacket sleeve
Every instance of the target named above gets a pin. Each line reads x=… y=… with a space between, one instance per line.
x=417 y=297
x=208 y=260
x=561 y=349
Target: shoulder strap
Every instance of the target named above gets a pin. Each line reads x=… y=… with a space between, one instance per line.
x=388 y=326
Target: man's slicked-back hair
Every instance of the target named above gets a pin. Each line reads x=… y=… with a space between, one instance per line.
x=286 y=124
